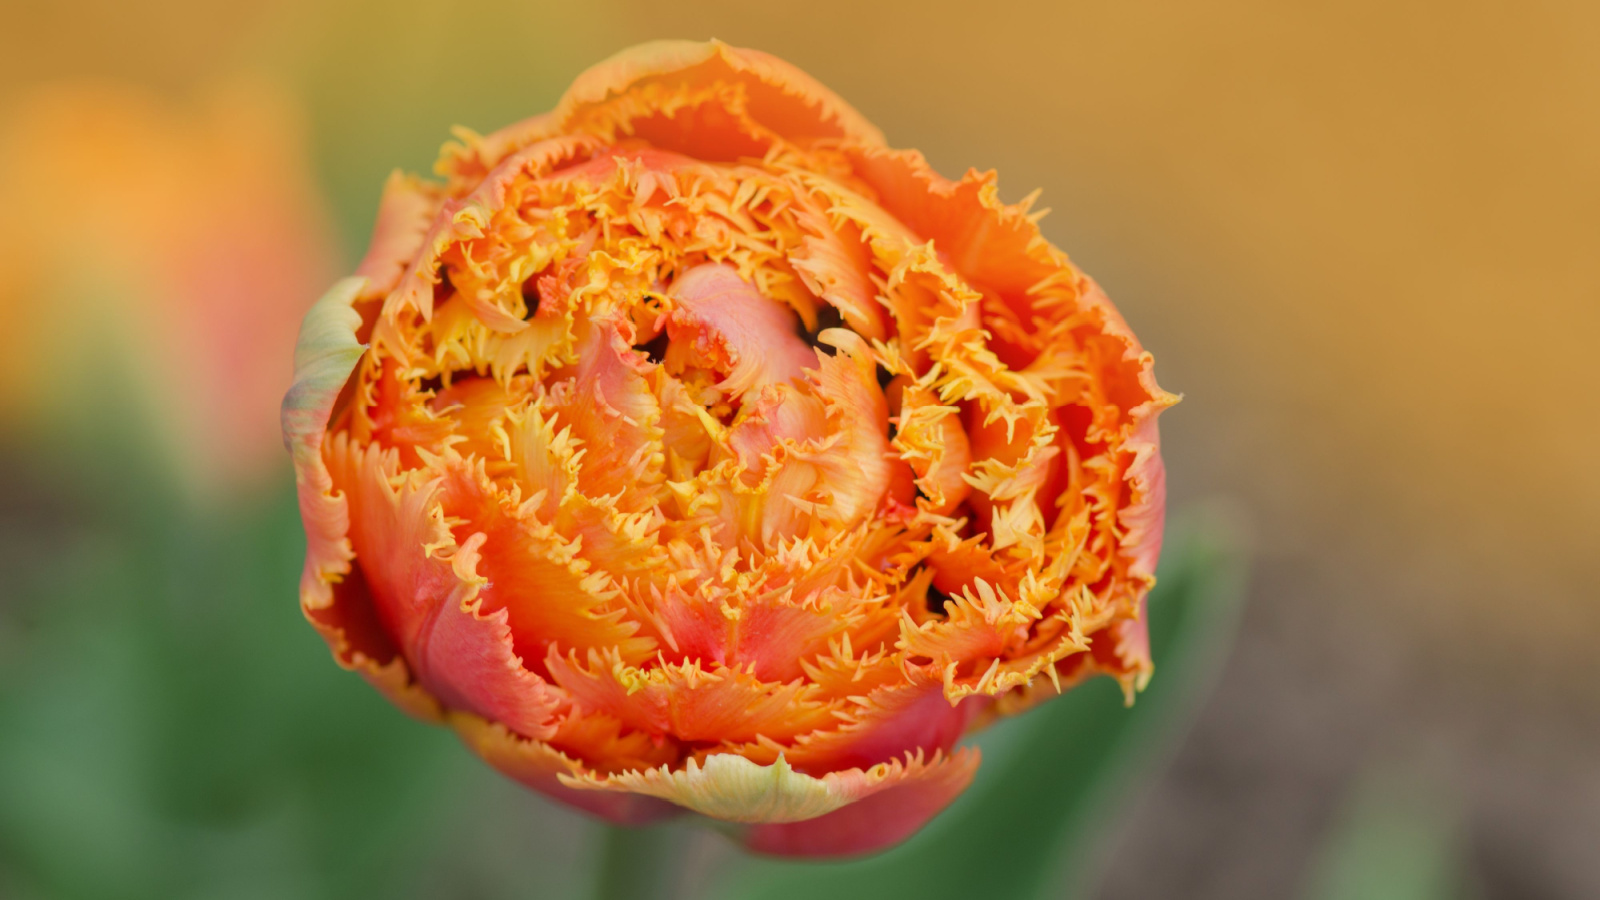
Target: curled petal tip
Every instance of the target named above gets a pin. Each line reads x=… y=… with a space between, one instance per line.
x=324 y=357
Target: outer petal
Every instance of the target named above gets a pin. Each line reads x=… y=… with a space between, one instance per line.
x=332 y=596
x=324 y=357
x=734 y=789
x=404 y=216
x=426 y=588
x=779 y=99
x=1144 y=517
x=783 y=98
x=889 y=813
x=540 y=766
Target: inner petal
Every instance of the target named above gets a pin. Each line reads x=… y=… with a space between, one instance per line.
x=721 y=323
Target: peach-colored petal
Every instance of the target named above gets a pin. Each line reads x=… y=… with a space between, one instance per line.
x=856 y=471
x=404 y=216
x=836 y=266
x=426 y=589
x=724 y=324
x=689 y=702
x=614 y=411
x=781 y=97
x=1142 y=519
x=351 y=628
x=550 y=595
x=334 y=597
x=885 y=724
x=540 y=766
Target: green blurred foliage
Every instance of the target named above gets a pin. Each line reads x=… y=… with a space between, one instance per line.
x=170 y=726
x=1399 y=837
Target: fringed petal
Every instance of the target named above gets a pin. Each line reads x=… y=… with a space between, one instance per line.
x=885 y=810
x=780 y=96
x=912 y=716
x=723 y=324
x=427 y=587
x=689 y=702
x=405 y=214
x=734 y=789
x=350 y=626
x=533 y=572
x=542 y=767
x=324 y=358
x=612 y=409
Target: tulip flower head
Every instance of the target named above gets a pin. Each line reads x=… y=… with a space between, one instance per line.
x=688 y=448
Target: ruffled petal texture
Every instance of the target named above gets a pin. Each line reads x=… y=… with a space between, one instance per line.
x=689 y=449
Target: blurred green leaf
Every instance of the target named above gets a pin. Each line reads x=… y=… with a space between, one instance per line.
x=1397 y=839
x=171 y=727
x=1048 y=787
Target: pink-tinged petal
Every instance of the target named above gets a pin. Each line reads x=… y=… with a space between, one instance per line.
x=351 y=628
x=768 y=638
x=774 y=634
x=724 y=324
x=614 y=411
x=533 y=572
x=887 y=809
x=780 y=414
x=886 y=724
x=857 y=469
x=540 y=766
x=426 y=589
x=1131 y=643
x=1144 y=517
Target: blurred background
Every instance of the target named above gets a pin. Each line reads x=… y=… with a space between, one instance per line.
x=1359 y=237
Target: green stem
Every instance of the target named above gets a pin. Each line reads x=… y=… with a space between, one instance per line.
x=640 y=863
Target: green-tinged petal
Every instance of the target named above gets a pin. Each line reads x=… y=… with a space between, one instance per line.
x=734 y=789
x=324 y=356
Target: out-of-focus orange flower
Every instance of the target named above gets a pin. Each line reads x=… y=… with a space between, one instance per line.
x=185 y=244
x=690 y=447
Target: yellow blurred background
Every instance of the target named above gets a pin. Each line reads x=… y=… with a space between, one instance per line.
x=1360 y=237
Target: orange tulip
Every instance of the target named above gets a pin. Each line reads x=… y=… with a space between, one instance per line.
x=180 y=244
x=688 y=447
